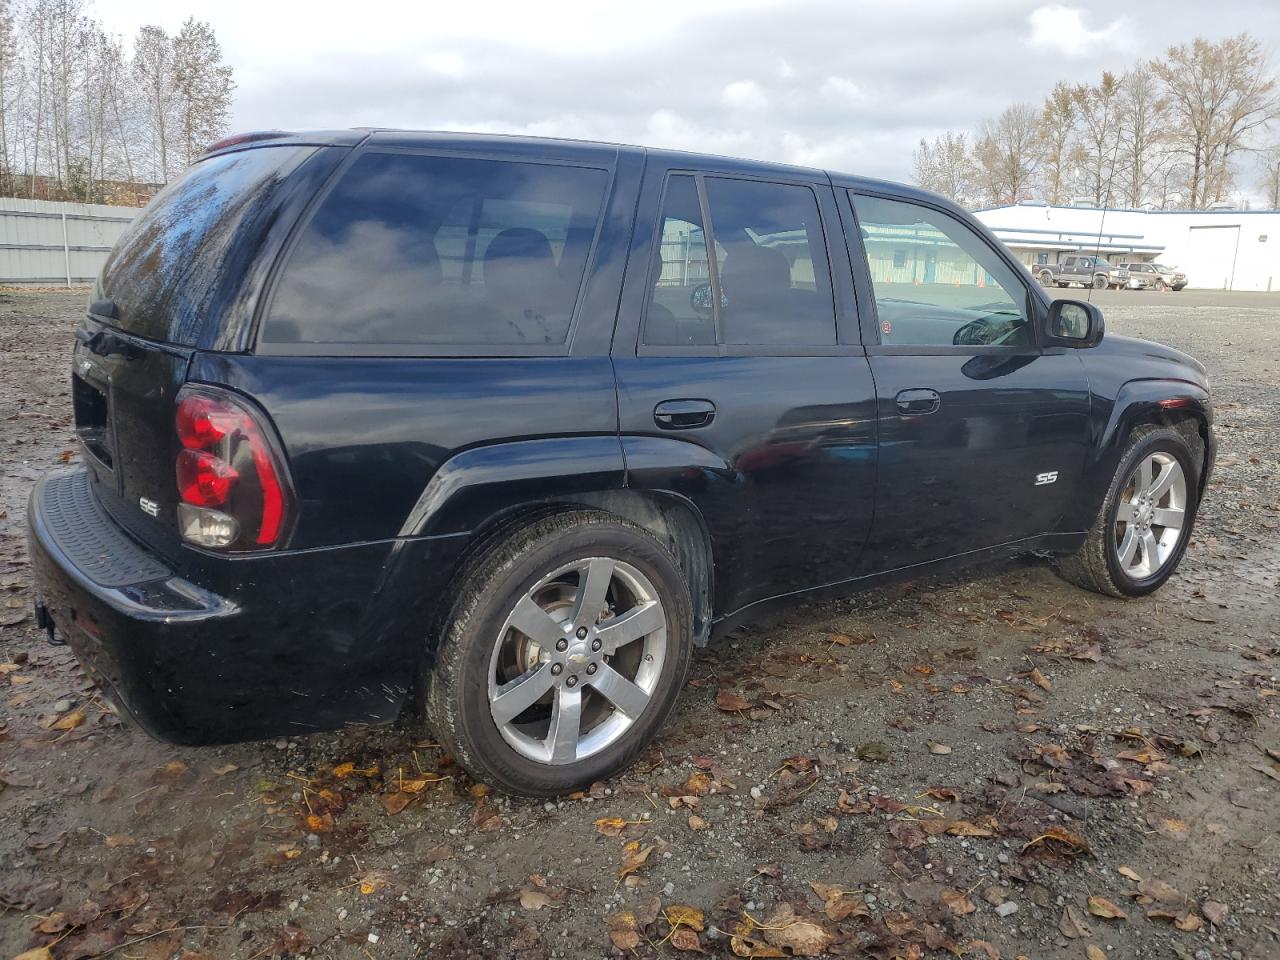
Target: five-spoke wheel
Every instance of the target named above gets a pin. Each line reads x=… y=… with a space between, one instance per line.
x=565 y=651
x=577 y=660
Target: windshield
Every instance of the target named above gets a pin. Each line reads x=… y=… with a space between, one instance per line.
x=196 y=235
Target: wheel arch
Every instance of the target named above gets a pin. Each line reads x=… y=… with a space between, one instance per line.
x=1179 y=404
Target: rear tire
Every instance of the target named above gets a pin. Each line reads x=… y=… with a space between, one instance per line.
x=1161 y=286
x=586 y=688
x=1142 y=528
x=1045 y=278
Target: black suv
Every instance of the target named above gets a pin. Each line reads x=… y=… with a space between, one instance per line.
x=503 y=427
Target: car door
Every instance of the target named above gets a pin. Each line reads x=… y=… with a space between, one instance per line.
x=742 y=385
x=983 y=434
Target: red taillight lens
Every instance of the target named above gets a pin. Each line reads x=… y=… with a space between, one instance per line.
x=202 y=422
x=229 y=462
x=203 y=479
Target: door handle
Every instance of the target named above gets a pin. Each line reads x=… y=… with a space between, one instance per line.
x=918 y=400
x=683 y=414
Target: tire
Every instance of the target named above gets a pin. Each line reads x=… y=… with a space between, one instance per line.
x=535 y=575
x=1045 y=278
x=1061 y=284
x=1099 y=283
x=1161 y=286
x=1099 y=564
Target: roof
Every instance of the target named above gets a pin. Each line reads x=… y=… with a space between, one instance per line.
x=514 y=144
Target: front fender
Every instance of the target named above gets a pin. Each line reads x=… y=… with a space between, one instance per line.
x=1137 y=402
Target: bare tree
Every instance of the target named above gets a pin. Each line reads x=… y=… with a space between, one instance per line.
x=202 y=88
x=1220 y=94
x=945 y=166
x=1007 y=153
x=1269 y=162
x=1098 y=115
x=10 y=88
x=1143 y=120
x=1057 y=141
x=153 y=71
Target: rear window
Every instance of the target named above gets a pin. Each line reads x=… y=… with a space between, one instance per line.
x=419 y=250
x=198 y=235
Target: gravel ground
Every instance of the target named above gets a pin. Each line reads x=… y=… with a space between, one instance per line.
x=992 y=765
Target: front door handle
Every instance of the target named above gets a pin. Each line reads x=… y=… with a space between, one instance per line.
x=918 y=400
x=684 y=414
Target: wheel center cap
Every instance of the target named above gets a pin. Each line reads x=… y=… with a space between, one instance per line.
x=578 y=654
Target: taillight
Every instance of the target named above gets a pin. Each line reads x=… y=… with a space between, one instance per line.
x=231 y=479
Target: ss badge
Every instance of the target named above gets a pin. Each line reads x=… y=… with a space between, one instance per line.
x=149 y=507
x=1044 y=478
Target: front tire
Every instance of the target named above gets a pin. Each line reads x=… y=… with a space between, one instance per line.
x=565 y=652
x=1142 y=529
x=1099 y=283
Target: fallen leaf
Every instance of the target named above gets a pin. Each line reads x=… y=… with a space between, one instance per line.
x=344 y=770
x=730 y=702
x=394 y=803
x=873 y=751
x=1157 y=889
x=1172 y=827
x=610 y=826
x=119 y=840
x=634 y=857
x=624 y=930
x=1061 y=835
x=320 y=823
x=939 y=749
x=803 y=938
x=68 y=721
x=697 y=823
x=681 y=915
x=1071 y=924
x=39 y=953
x=1095 y=953
x=226 y=768
x=1131 y=874
x=956 y=901
x=1215 y=911
x=535 y=899
x=966 y=828
x=1040 y=680
x=1189 y=922
x=1102 y=907
x=685 y=940
x=1091 y=653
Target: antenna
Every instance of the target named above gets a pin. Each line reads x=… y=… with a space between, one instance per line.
x=1111 y=175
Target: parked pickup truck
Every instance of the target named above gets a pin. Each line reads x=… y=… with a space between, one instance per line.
x=1096 y=272
x=1154 y=276
x=493 y=431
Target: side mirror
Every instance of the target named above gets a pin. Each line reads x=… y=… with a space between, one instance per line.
x=1072 y=323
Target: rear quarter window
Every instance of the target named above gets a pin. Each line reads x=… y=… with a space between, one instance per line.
x=410 y=250
x=193 y=243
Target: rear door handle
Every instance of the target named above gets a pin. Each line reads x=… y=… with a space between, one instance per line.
x=918 y=400
x=683 y=414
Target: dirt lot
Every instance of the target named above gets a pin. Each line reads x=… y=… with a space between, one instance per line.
x=999 y=765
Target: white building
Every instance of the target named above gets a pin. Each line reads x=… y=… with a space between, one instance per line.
x=1217 y=249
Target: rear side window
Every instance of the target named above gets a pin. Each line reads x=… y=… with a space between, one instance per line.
x=409 y=249
x=194 y=241
x=774 y=280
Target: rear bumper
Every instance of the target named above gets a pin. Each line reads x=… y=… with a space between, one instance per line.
x=231 y=648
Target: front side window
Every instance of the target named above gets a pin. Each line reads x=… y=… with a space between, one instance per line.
x=952 y=288
x=410 y=249
x=772 y=282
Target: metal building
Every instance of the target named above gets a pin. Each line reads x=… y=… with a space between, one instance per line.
x=1217 y=249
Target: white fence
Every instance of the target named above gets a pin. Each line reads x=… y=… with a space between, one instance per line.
x=57 y=244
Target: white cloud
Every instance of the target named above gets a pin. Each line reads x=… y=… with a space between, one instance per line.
x=841 y=90
x=1063 y=29
x=744 y=95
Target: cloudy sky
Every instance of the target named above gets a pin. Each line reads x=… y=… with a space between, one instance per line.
x=845 y=85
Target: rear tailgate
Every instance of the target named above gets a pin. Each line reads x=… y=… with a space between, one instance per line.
x=182 y=278
x=122 y=390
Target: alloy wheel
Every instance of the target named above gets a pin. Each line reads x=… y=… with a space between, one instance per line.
x=577 y=660
x=1150 y=515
